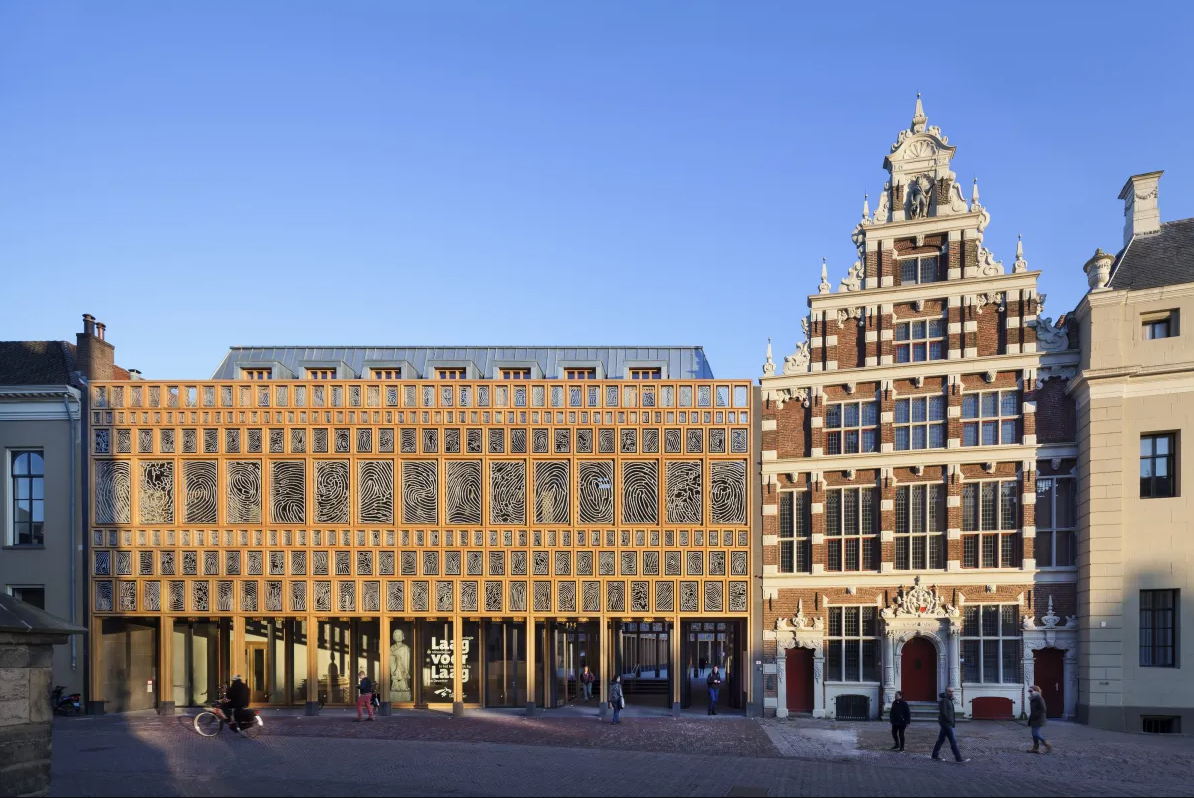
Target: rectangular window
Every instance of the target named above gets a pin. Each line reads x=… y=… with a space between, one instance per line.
x=991 y=644
x=1157 y=466
x=851 y=529
x=1158 y=325
x=255 y=374
x=387 y=374
x=990 y=418
x=646 y=374
x=321 y=374
x=920 y=340
x=852 y=645
x=990 y=524
x=795 y=551
x=450 y=374
x=28 y=491
x=1158 y=628
x=852 y=427
x=34 y=596
x=515 y=374
x=920 y=423
x=1056 y=500
x=922 y=269
x=920 y=521
x=580 y=374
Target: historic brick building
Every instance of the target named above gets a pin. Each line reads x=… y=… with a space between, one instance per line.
x=469 y=526
x=918 y=455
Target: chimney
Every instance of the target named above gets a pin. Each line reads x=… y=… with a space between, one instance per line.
x=134 y=374
x=95 y=357
x=1142 y=217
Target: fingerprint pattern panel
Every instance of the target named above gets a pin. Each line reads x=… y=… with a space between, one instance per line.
x=728 y=491
x=243 y=502
x=420 y=492
x=202 y=493
x=113 y=492
x=288 y=491
x=596 y=493
x=640 y=492
x=331 y=492
x=684 y=496
x=464 y=491
x=551 y=492
x=375 y=491
x=507 y=492
x=156 y=501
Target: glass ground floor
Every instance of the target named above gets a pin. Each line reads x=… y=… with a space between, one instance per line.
x=499 y=662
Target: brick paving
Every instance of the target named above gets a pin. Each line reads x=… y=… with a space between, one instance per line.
x=505 y=754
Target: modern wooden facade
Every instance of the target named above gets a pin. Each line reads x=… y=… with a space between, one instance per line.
x=513 y=530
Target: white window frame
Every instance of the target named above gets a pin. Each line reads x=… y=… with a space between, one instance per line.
x=928 y=425
x=912 y=340
x=840 y=643
x=1052 y=529
x=1000 y=639
x=997 y=530
x=862 y=497
x=919 y=525
x=842 y=430
x=998 y=421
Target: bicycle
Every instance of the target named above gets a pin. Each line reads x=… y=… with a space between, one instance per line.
x=211 y=722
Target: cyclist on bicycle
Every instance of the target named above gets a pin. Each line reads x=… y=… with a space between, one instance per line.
x=237 y=699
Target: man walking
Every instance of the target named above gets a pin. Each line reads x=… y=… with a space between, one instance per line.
x=586 y=683
x=1036 y=719
x=714 y=685
x=365 y=697
x=945 y=719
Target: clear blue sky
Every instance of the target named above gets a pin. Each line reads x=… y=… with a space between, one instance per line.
x=207 y=174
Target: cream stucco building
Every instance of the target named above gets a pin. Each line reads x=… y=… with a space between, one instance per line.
x=1135 y=403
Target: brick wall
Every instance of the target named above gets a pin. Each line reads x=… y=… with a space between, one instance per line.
x=1055 y=415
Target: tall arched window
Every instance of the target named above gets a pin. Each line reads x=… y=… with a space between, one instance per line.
x=28 y=499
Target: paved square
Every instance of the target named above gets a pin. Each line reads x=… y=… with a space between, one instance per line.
x=507 y=754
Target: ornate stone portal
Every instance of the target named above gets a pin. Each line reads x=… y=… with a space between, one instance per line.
x=920 y=612
x=1053 y=633
x=800 y=632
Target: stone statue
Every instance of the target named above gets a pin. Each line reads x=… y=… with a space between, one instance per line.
x=400 y=687
x=919 y=195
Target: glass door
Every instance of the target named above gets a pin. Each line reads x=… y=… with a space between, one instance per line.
x=505 y=664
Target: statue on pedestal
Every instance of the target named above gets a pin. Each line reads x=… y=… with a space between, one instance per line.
x=400 y=686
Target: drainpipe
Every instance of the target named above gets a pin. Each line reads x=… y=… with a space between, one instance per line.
x=74 y=652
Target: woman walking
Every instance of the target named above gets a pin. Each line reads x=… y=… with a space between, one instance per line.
x=616 y=700
x=901 y=716
x=1036 y=719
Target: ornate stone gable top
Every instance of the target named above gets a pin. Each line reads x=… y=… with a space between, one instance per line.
x=919 y=601
x=799 y=622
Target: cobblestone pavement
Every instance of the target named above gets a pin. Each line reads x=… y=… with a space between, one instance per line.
x=498 y=754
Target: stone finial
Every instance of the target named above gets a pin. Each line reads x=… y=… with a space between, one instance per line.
x=1020 y=265
x=824 y=287
x=866 y=208
x=918 y=118
x=769 y=366
x=1098 y=270
x=974 y=205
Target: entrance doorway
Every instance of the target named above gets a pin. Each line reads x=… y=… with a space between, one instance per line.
x=918 y=670
x=705 y=644
x=798 y=663
x=1049 y=666
x=505 y=664
x=130 y=660
x=563 y=649
x=643 y=657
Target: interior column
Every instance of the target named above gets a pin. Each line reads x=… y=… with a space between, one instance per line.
x=312 y=665
x=457 y=665
x=531 y=641
x=673 y=640
x=166 y=666
x=383 y=676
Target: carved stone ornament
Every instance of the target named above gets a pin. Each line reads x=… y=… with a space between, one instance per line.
x=1050 y=338
x=850 y=473
x=1020 y=265
x=850 y=313
x=1049 y=371
x=919 y=305
x=992 y=588
x=782 y=396
x=1098 y=270
x=883 y=208
x=957 y=203
x=824 y=287
x=989 y=468
x=1055 y=463
x=987 y=265
x=990 y=376
x=851 y=387
x=797 y=363
x=920 y=239
x=853 y=279
x=918 y=469
x=769 y=365
x=804 y=326
x=992 y=298
x=919 y=602
x=799 y=622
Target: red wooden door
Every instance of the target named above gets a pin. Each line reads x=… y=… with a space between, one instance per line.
x=1050 y=677
x=918 y=670
x=799 y=677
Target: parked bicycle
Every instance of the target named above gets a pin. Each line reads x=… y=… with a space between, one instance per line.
x=211 y=722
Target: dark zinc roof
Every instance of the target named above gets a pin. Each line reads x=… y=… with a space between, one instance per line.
x=36 y=362
x=1152 y=261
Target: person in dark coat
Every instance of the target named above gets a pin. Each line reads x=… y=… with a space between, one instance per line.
x=616 y=699
x=714 y=685
x=901 y=716
x=946 y=720
x=1036 y=720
